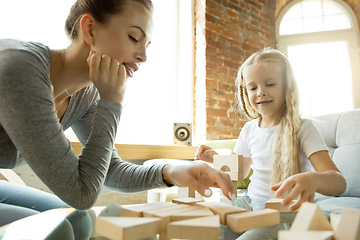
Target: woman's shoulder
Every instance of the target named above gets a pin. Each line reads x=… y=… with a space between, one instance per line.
x=19 y=51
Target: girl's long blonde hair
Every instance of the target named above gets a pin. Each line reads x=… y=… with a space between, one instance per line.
x=285 y=146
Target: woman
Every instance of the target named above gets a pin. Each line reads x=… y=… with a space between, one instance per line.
x=44 y=91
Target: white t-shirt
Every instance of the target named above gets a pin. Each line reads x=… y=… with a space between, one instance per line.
x=255 y=143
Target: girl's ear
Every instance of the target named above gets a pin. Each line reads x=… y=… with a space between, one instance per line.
x=86 y=28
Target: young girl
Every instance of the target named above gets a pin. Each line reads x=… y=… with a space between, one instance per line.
x=276 y=142
x=44 y=91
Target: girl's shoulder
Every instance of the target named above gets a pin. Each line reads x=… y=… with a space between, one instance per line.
x=251 y=126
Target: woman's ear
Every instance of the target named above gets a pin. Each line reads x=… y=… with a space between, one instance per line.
x=86 y=28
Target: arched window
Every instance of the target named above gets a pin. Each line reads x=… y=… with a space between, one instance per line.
x=321 y=40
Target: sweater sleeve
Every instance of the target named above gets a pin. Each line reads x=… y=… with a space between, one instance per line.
x=122 y=176
x=28 y=115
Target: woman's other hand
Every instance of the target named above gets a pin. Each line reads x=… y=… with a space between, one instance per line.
x=205 y=153
x=199 y=176
x=108 y=76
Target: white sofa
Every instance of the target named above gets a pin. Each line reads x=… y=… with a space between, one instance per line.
x=341 y=132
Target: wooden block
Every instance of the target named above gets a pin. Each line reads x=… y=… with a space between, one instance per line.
x=196 y=213
x=166 y=215
x=349 y=225
x=169 y=209
x=305 y=235
x=127 y=228
x=185 y=192
x=335 y=220
x=310 y=218
x=231 y=164
x=137 y=210
x=188 y=201
x=206 y=228
x=222 y=209
x=240 y=222
x=275 y=203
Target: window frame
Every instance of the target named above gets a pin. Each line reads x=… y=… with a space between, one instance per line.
x=351 y=36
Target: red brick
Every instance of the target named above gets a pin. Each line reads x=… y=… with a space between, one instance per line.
x=217 y=112
x=212 y=84
x=224 y=104
x=223 y=70
x=231 y=35
x=211 y=50
x=211 y=121
x=232 y=13
x=211 y=18
x=211 y=66
x=213 y=27
x=215 y=94
x=231 y=64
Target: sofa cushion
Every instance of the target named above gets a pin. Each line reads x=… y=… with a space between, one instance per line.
x=327 y=125
x=347 y=160
x=337 y=204
x=341 y=132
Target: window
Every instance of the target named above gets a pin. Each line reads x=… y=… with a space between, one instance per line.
x=314 y=16
x=160 y=93
x=320 y=38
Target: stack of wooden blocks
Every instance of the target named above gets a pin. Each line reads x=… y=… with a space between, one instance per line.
x=191 y=218
x=187 y=218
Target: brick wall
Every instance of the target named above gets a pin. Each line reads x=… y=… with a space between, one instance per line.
x=227 y=32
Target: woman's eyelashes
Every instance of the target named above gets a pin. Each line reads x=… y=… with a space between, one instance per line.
x=133 y=39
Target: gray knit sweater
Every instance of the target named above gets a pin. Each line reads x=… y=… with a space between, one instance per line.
x=30 y=131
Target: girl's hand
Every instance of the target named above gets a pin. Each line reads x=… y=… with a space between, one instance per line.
x=199 y=176
x=108 y=76
x=205 y=153
x=301 y=185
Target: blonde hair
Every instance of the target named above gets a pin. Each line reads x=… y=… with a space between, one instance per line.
x=285 y=146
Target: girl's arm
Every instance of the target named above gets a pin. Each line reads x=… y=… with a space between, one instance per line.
x=246 y=166
x=327 y=180
x=205 y=153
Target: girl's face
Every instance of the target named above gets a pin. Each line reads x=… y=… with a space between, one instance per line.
x=265 y=87
x=126 y=36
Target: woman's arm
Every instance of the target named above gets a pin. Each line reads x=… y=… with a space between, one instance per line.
x=29 y=117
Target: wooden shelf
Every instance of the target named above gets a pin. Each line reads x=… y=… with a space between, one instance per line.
x=142 y=152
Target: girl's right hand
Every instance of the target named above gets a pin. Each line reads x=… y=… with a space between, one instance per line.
x=108 y=76
x=205 y=153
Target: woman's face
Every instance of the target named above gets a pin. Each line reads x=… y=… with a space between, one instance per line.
x=126 y=36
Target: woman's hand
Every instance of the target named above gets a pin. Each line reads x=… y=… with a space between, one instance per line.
x=302 y=185
x=199 y=176
x=108 y=76
x=205 y=153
